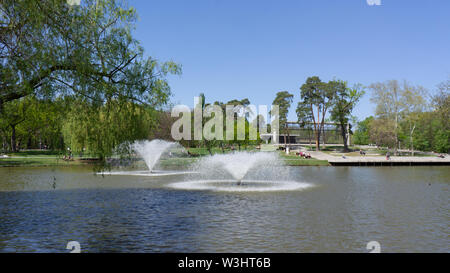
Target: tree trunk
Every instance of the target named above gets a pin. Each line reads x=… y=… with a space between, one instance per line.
x=396 y=135
x=29 y=143
x=318 y=130
x=318 y=139
x=13 y=138
x=344 y=137
x=309 y=135
x=411 y=138
x=5 y=143
x=323 y=135
x=288 y=136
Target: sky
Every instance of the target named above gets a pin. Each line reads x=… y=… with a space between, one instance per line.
x=235 y=49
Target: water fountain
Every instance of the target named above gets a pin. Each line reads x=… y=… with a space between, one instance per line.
x=241 y=172
x=237 y=171
x=151 y=153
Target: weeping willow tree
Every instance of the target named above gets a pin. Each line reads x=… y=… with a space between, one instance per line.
x=98 y=130
x=86 y=53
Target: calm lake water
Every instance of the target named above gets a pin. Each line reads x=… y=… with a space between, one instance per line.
x=405 y=209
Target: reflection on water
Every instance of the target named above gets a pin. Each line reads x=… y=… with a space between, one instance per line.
x=405 y=209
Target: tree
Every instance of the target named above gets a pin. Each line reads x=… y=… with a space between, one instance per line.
x=382 y=132
x=394 y=101
x=441 y=104
x=317 y=98
x=346 y=100
x=14 y=114
x=414 y=103
x=361 y=135
x=99 y=130
x=48 y=47
x=240 y=117
x=283 y=99
x=165 y=121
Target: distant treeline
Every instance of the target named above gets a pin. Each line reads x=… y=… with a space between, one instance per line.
x=408 y=118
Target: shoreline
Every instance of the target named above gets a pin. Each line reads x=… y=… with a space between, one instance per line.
x=318 y=159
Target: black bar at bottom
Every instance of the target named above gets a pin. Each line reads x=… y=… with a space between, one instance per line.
x=226 y=262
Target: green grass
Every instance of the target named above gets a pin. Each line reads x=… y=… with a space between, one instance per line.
x=41 y=153
x=217 y=150
x=35 y=153
x=292 y=160
x=37 y=161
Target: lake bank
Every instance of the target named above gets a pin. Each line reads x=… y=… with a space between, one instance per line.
x=362 y=160
x=49 y=159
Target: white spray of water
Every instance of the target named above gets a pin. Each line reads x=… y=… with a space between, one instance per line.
x=238 y=164
x=247 y=186
x=253 y=171
x=151 y=151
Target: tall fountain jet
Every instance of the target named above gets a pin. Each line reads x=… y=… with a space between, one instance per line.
x=238 y=164
x=151 y=151
x=250 y=172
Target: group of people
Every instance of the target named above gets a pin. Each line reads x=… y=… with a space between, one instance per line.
x=304 y=155
x=69 y=156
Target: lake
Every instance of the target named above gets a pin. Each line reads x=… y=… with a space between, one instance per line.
x=405 y=209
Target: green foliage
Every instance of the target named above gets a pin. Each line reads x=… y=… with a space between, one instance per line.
x=88 y=128
x=283 y=99
x=317 y=98
x=344 y=103
x=88 y=80
x=418 y=129
x=86 y=51
x=396 y=103
x=382 y=133
x=430 y=134
x=442 y=141
x=361 y=135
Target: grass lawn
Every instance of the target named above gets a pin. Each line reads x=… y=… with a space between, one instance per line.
x=36 y=153
x=217 y=150
x=292 y=160
x=32 y=158
x=38 y=160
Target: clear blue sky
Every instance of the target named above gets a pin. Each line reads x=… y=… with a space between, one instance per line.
x=254 y=48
